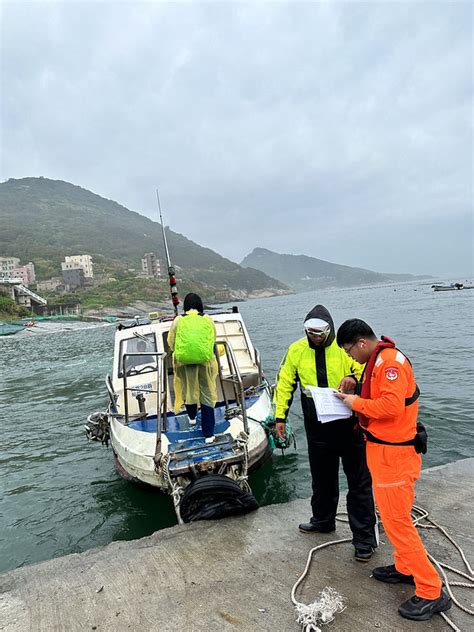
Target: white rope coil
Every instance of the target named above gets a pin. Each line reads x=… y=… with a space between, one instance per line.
x=330 y=603
x=323 y=609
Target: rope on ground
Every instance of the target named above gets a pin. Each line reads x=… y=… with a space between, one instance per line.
x=323 y=609
x=419 y=514
x=330 y=602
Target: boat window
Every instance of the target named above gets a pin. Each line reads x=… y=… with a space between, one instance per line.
x=139 y=363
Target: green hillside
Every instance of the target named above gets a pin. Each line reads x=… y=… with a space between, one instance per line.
x=43 y=220
x=307 y=273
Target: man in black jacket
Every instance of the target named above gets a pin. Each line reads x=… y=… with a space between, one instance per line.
x=317 y=360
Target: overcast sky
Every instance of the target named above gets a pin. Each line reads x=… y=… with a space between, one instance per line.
x=338 y=130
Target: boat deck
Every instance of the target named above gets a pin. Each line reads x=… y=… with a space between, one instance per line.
x=177 y=426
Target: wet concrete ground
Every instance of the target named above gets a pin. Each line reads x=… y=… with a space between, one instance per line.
x=236 y=574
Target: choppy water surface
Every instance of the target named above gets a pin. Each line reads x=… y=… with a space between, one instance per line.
x=61 y=494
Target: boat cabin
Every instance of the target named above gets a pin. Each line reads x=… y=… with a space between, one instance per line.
x=143 y=364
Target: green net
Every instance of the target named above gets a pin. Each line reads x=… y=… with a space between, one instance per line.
x=274 y=440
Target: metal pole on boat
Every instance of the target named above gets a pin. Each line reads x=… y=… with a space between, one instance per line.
x=171 y=270
x=159 y=404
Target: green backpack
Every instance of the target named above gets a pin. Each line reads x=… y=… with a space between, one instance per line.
x=195 y=339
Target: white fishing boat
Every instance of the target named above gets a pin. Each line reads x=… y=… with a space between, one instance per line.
x=451 y=287
x=153 y=445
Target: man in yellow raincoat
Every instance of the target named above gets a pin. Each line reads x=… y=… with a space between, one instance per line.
x=191 y=338
x=316 y=360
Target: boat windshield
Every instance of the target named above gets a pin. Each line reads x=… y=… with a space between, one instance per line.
x=142 y=344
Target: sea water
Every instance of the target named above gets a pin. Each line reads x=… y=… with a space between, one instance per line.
x=62 y=495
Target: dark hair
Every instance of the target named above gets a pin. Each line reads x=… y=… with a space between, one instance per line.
x=352 y=330
x=193 y=301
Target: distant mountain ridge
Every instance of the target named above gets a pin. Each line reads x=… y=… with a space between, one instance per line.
x=307 y=273
x=42 y=220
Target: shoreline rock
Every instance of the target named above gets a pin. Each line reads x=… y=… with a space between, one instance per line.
x=164 y=308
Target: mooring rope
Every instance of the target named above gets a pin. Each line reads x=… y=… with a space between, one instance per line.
x=323 y=609
x=423 y=515
x=175 y=488
x=330 y=602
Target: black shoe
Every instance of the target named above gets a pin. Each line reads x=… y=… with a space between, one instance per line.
x=311 y=527
x=420 y=609
x=390 y=575
x=362 y=554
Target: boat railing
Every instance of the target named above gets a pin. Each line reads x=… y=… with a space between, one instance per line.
x=161 y=391
x=113 y=396
x=258 y=362
x=234 y=378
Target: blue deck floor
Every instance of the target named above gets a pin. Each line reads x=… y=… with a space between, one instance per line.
x=178 y=427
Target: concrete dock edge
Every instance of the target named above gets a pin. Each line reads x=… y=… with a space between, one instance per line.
x=235 y=574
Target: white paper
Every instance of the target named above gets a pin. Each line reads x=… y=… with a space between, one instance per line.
x=328 y=406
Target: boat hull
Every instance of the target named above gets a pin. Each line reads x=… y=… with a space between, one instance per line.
x=134 y=446
x=256 y=461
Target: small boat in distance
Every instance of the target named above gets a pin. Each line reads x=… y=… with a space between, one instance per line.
x=441 y=287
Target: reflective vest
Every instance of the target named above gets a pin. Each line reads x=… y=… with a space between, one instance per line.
x=299 y=366
x=195 y=337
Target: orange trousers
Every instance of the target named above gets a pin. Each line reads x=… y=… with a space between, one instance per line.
x=394 y=470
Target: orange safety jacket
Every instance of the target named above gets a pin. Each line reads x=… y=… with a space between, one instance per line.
x=388 y=404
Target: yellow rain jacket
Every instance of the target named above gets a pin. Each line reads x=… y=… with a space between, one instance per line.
x=193 y=383
x=299 y=365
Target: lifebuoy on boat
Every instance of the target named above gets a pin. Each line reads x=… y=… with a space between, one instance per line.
x=214 y=496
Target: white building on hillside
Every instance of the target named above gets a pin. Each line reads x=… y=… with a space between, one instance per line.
x=7 y=264
x=79 y=261
x=10 y=269
x=151 y=265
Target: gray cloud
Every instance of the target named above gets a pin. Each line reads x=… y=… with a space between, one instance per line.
x=338 y=130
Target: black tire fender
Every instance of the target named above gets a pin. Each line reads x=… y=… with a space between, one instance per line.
x=213 y=496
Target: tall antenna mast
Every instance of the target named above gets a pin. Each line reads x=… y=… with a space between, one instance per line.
x=171 y=270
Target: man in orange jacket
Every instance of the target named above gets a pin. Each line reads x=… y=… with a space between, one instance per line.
x=387 y=408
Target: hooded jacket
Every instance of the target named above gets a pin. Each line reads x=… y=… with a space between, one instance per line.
x=309 y=364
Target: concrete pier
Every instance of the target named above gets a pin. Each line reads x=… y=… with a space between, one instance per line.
x=235 y=574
